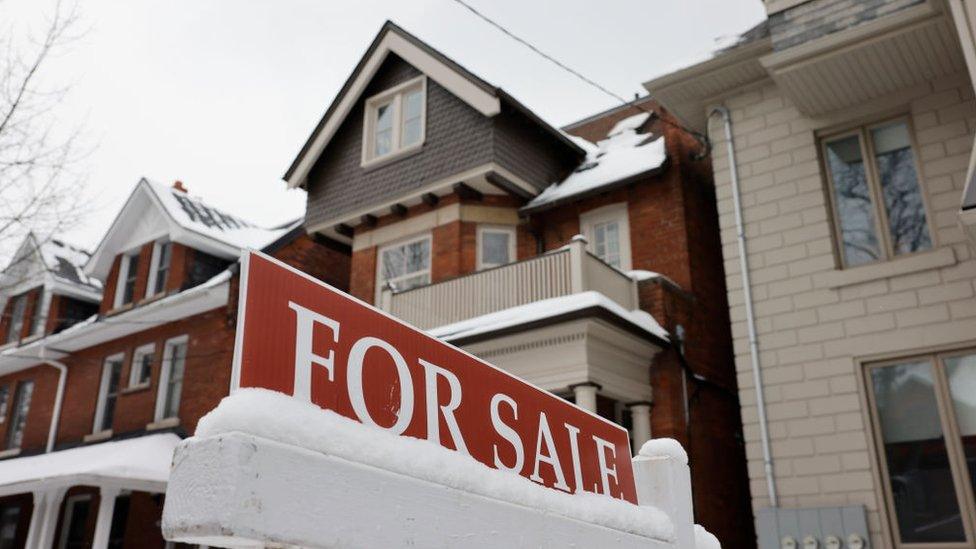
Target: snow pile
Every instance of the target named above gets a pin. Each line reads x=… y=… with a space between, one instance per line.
x=664 y=447
x=640 y=275
x=705 y=539
x=278 y=417
x=546 y=308
x=145 y=458
x=193 y=214
x=624 y=153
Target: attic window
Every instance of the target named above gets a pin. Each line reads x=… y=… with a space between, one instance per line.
x=395 y=121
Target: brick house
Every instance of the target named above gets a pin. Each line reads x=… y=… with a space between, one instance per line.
x=110 y=358
x=584 y=260
x=852 y=287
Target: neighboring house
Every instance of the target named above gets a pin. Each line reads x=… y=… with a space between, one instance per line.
x=96 y=392
x=587 y=264
x=852 y=127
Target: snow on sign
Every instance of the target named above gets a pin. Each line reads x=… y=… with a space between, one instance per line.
x=304 y=338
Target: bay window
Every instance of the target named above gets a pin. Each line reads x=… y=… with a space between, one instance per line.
x=878 y=207
x=925 y=426
x=405 y=265
x=395 y=120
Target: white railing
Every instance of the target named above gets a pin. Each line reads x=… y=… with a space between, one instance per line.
x=563 y=272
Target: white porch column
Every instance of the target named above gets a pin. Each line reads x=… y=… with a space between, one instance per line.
x=103 y=523
x=44 y=518
x=640 y=417
x=585 y=395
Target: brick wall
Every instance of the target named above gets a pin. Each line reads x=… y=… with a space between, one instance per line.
x=814 y=328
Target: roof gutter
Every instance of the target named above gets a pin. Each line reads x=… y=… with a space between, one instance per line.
x=750 y=314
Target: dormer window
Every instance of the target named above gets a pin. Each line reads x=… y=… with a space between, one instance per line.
x=394 y=121
x=159 y=267
x=17 y=311
x=128 y=271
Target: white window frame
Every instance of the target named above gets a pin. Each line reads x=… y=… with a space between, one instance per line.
x=15 y=416
x=608 y=214
x=154 y=267
x=505 y=229
x=394 y=95
x=41 y=306
x=380 y=283
x=103 y=391
x=165 y=371
x=135 y=367
x=69 y=511
x=124 y=264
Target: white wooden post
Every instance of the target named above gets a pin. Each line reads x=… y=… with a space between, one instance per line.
x=640 y=416
x=103 y=522
x=44 y=518
x=577 y=269
x=664 y=481
x=585 y=395
x=386 y=298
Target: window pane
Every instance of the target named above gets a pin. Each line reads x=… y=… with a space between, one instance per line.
x=418 y=256
x=961 y=372
x=918 y=465
x=383 y=131
x=16 y=318
x=393 y=263
x=175 y=388
x=495 y=247
x=37 y=319
x=9 y=520
x=113 y=369
x=75 y=534
x=130 y=279
x=855 y=211
x=142 y=365
x=899 y=185
x=412 y=103
x=607 y=245
x=162 y=267
x=22 y=401
x=4 y=395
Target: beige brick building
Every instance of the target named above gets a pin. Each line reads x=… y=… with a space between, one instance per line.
x=852 y=129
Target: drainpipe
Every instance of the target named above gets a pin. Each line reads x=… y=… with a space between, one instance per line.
x=750 y=315
x=58 y=398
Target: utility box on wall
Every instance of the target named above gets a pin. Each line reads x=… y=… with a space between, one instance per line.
x=813 y=528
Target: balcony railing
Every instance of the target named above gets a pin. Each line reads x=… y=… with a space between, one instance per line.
x=562 y=272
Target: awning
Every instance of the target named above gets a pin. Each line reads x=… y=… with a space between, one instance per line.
x=141 y=463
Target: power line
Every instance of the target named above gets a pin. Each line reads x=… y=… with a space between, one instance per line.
x=703 y=139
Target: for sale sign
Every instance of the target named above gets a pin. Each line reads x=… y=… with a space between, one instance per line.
x=304 y=338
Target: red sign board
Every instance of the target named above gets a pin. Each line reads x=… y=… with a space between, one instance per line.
x=300 y=336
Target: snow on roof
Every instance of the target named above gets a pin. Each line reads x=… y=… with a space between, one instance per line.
x=146 y=458
x=67 y=263
x=720 y=45
x=624 y=153
x=546 y=308
x=287 y=420
x=193 y=214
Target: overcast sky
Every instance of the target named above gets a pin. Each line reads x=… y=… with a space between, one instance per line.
x=221 y=94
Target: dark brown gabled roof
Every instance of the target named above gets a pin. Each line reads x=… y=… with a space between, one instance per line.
x=488 y=88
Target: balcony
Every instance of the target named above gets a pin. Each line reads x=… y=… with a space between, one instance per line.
x=569 y=270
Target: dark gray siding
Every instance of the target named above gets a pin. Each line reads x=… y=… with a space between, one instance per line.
x=527 y=150
x=817 y=18
x=458 y=138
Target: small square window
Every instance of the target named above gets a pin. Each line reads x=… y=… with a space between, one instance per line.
x=395 y=121
x=607 y=232
x=496 y=246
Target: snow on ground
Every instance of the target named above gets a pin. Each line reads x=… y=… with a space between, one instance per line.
x=624 y=153
x=664 y=447
x=705 y=539
x=143 y=458
x=284 y=419
x=546 y=308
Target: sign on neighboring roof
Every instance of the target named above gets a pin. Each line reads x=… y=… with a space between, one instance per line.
x=301 y=337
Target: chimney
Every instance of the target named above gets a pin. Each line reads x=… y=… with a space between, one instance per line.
x=178 y=185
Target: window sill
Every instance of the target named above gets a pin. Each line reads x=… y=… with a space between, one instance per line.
x=381 y=161
x=13 y=452
x=934 y=259
x=120 y=309
x=166 y=423
x=9 y=345
x=31 y=339
x=154 y=297
x=98 y=437
x=135 y=388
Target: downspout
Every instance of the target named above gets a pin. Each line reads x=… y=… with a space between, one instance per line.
x=58 y=398
x=750 y=315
